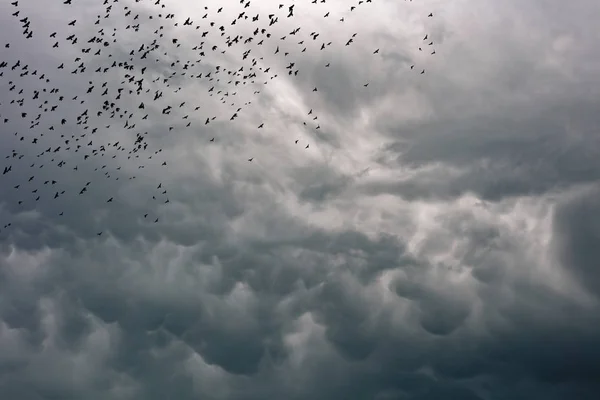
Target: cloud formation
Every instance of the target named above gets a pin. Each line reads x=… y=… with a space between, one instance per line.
x=437 y=239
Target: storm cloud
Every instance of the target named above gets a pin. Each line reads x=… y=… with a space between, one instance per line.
x=439 y=238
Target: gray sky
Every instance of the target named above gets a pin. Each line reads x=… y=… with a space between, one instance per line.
x=439 y=237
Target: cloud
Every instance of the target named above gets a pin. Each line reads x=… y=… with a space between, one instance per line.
x=577 y=230
x=436 y=238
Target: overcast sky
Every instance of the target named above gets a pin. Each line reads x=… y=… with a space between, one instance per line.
x=439 y=238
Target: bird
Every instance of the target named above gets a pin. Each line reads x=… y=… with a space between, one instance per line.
x=103 y=128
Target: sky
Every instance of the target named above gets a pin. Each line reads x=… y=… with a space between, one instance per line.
x=438 y=238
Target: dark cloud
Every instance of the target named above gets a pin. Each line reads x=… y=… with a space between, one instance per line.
x=436 y=240
x=577 y=228
x=545 y=152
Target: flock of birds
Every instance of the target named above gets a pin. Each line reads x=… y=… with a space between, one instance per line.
x=67 y=135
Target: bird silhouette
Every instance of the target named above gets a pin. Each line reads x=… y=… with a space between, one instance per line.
x=96 y=134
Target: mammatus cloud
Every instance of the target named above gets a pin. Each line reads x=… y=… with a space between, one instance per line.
x=437 y=239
